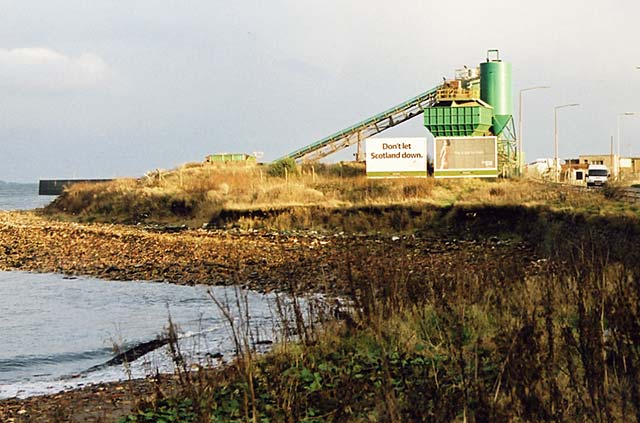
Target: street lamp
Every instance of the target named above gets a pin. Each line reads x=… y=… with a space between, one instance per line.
x=619 y=136
x=520 y=164
x=618 y=127
x=555 y=136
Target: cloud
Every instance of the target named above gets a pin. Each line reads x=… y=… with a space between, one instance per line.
x=46 y=71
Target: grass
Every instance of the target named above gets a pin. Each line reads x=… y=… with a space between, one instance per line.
x=197 y=194
x=554 y=339
x=557 y=341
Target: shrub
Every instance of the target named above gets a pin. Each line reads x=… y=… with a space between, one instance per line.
x=283 y=167
x=613 y=191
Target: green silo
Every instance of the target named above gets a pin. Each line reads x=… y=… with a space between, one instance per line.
x=495 y=89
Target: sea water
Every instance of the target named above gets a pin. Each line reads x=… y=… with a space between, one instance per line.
x=56 y=332
x=21 y=197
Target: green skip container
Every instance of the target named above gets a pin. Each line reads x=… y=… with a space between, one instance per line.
x=458 y=121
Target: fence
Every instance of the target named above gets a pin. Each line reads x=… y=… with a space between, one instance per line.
x=631 y=194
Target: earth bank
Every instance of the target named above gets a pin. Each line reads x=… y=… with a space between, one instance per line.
x=460 y=262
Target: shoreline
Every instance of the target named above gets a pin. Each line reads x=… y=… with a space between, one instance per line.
x=262 y=260
x=103 y=402
x=295 y=261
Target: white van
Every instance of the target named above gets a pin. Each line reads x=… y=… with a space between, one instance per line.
x=597 y=175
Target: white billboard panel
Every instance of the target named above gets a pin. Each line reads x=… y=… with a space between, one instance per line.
x=465 y=157
x=396 y=157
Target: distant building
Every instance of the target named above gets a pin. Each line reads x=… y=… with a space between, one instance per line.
x=608 y=160
x=233 y=158
x=624 y=167
x=635 y=165
x=574 y=171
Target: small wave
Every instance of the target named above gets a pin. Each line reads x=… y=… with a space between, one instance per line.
x=203 y=301
x=25 y=361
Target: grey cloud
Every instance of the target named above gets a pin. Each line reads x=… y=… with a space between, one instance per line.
x=44 y=71
x=171 y=81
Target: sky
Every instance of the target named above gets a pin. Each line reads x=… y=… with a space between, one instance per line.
x=106 y=88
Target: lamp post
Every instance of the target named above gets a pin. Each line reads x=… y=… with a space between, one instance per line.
x=520 y=155
x=555 y=136
x=618 y=132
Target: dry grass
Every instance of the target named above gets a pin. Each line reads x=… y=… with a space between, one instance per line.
x=470 y=339
x=554 y=340
x=194 y=194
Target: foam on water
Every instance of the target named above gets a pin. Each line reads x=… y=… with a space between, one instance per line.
x=54 y=329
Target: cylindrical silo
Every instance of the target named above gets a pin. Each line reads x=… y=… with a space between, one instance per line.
x=495 y=89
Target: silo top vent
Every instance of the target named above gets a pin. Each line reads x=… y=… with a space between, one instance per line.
x=496 y=53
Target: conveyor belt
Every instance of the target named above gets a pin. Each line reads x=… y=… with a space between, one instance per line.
x=365 y=129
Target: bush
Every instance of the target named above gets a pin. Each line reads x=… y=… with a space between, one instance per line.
x=283 y=167
x=613 y=191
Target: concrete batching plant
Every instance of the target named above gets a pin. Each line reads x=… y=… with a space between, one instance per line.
x=470 y=116
x=472 y=122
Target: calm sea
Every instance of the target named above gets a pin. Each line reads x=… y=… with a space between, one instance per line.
x=21 y=197
x=54 y=331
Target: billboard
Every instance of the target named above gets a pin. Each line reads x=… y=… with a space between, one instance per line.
x=396 y=157
x=465 y=157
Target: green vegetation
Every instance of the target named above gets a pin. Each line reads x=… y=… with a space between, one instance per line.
x=557 y=339
x=550 y=331
x=283 y=168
